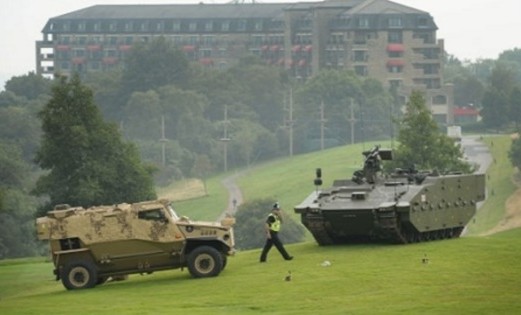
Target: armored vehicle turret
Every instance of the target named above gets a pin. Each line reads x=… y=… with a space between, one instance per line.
x=89 y=246
x=406 y=206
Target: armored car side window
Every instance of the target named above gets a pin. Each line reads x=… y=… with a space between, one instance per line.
x=154 y=214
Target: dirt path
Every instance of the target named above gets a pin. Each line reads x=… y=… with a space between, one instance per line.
x=234 y=195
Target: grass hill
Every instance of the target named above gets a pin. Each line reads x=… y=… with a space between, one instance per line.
x=471 y=275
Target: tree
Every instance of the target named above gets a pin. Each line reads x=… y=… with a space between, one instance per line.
x=515 y=106
x=514 y=154
x=202 y=168
x=30 y=85
x=496 y=100
x=88 y=163
x=422 y=145
x=154 y=64
x=251 y=217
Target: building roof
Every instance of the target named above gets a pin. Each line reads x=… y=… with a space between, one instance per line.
x=235 y=11
x=177 y=11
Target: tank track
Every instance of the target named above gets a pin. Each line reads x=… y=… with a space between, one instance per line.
x=317 y=226
x=389 y=229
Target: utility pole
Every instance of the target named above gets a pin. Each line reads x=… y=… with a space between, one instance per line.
x=225 y=138
x=322 y=122
x=290 y=121
x=352 y=121
x=163 y=141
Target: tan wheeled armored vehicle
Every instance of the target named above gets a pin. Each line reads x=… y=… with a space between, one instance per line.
x=89 y=246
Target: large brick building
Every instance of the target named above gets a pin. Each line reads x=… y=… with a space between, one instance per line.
x=376 y=38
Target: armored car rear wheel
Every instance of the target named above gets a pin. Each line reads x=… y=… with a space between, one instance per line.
x=79 y=275
x=205 y=261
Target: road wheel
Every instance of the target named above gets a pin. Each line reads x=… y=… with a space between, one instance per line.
x=79 y=275
x=205 y=261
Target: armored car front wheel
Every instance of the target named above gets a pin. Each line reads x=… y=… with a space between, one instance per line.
x=79 y=275
x=205 y=261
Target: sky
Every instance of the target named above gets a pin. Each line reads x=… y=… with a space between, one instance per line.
x=471 y=29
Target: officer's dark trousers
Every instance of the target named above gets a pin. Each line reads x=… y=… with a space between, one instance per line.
x=274 y=240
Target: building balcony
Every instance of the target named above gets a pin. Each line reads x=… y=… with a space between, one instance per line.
x=109 y=60
x=78 y=60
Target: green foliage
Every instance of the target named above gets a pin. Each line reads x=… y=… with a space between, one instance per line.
x=30 y=85
x=422 y=145
x=497 y=98
x=154 y=64
x=345 y=97
x=250 y=227
x=21 y=128
x=514 y=154
x=88 y=162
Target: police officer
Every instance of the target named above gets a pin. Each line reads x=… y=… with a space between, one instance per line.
x=272 y=234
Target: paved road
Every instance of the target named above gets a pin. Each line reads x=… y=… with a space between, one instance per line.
x=477 y=152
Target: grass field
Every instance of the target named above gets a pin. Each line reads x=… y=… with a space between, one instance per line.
x=470 y=275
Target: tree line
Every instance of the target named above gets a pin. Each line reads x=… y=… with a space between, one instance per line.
x=165 y=117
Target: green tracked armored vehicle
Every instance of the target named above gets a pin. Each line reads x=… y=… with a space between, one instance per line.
x=406 y=206
x=89 y=246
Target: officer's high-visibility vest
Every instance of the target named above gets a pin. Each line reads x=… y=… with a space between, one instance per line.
x=275 y=226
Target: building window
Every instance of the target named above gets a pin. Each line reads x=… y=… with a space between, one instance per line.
x=208 y=40
x=111 y=53
x=176 y=26
x=143 y=27
x=113 y=27
x=225 y=26
x=259 y=25
x=395 y=54
x=82 y=40
x=422 y=22
x=395 y=69
x=192 y=27
x=208 y=26
x=64 y=40
x=363 y=22
x=395 y=37
x=241 y=25
x=65 y=65
x=360 y=38
x=129 y=27
x=82 y=27
x=78 y=53
x=360 y=56
x=395 y=22
x=97 y=27
x=66 y=26
x=193 y=40
x=439 y=100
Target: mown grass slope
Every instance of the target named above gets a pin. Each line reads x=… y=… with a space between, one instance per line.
x=471 y=275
